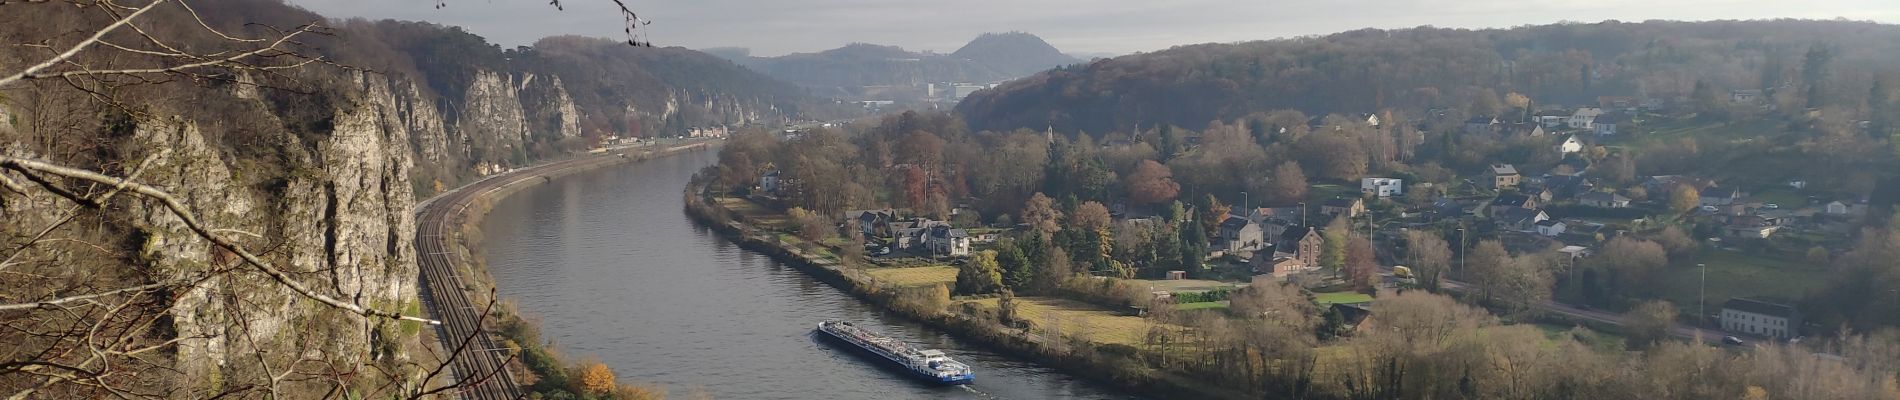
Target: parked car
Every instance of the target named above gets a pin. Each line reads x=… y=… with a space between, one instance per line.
x=1771 y=206
x=1709 y=209
x=1733 y=341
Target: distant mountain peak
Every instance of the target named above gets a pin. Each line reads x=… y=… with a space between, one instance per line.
x=1015 y=52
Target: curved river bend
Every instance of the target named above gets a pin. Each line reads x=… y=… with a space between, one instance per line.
x=612 y=268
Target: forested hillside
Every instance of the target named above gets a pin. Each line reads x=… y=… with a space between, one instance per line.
x=1465 y=72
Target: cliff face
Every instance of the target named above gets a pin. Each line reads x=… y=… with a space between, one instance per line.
x=331 y=207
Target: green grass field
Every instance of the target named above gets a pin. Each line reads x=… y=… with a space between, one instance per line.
x=1341 y=298
x=1209 y=305
x=917 y=276
x=1081 y=320
x=772 y=219
x=1736 y=274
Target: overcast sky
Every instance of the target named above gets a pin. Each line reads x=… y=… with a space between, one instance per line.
x=773 y=27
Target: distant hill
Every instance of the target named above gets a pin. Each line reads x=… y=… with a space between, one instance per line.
x=1014 y=53
x=1454 y=71
x=988 y=58
x=862 y=64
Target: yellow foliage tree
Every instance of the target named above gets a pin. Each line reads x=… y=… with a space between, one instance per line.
x=597 y=378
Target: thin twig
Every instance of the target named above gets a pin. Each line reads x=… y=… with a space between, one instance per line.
x=179 y=210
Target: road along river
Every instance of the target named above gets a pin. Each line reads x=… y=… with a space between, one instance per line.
x=611 y=268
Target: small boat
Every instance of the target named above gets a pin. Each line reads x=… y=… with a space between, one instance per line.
x=929 y=365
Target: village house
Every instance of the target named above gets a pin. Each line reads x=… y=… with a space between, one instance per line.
x=1584 y=118
x=1607 y=124
x=1845 y=207
x=1745 y=96
x=1510 y=201
x=1240 y=235
x=769 y=183
x=910 y=234
x=1524 y=129
x=1351 y=207
x=1300 y=242
x=946 y=241
x=1276 y=266
x=1538 y=193
x=1382 y=187
x=1519 y=219
x=871 y=223
x=1603 y=200
x=1552 y=119
x=1481 y=125
x=1721 y=196
x=1550 y=228
x=1570 y=145
x=1761 y=318
x=1500 y=176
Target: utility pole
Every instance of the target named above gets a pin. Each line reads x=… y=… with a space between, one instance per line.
x=1461 y=249
x=1246 y=204
x=1701 y=299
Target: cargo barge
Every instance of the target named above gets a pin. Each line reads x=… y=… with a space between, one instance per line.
x=929 y=365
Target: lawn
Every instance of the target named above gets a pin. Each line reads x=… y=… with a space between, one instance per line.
x=1318 y=194
x=916 y=276
x=1781 y=196
x=1178 y=285
x=1208 y=305
x=1325 y=299
x=1082 y=320
x=1736 y=274
x=771 y=219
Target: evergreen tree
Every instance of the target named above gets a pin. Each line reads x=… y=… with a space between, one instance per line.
x=1018 y=271
x=1814 y=73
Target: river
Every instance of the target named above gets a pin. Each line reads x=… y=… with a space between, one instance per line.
x=612 y=269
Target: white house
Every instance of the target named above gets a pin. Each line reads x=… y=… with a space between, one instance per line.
x=1760 y=318
x=1584 y=118
x=944 y=240
x=769 y=182
x=1241 y=236
x=1382 y=187
x=1837 y=208
x=1553 y=121
x=1571 y=145
x=1550 y=227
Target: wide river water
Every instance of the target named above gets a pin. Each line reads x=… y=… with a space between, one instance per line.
x=614 y=270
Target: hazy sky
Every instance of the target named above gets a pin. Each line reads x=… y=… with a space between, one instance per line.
x=773 y=27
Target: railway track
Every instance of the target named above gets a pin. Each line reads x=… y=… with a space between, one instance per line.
x=480 y=367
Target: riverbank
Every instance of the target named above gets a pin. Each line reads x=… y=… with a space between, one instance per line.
x=1108 y=363
x=457 y=284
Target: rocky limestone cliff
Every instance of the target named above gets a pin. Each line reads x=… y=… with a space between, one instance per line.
x=492 y=123
x=330 y=208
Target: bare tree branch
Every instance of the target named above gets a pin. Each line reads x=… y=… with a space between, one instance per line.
x=76 y=48
x=178 y=209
